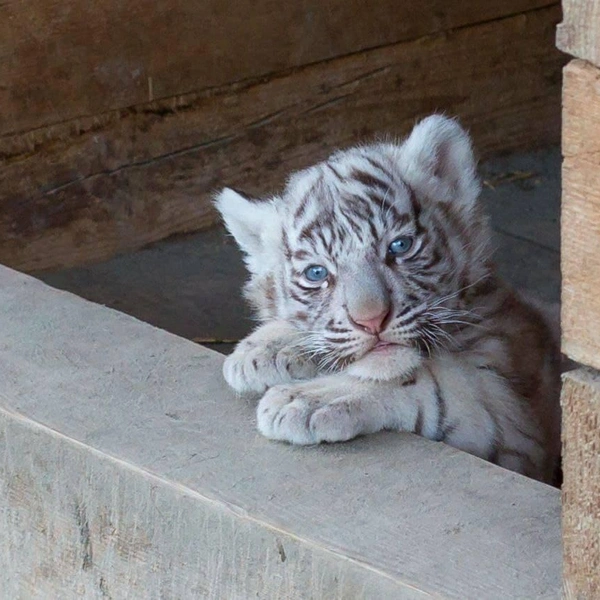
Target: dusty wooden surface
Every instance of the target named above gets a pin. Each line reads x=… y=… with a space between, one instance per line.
x=90 y=189
x=83 y=525
x=129 y=470
x=579 y=32
x=580 y=220
x=66 y=59
x=581 y=487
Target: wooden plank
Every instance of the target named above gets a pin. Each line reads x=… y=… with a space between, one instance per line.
x=94 y=188
x=579 y=32
x=126 y=533
x=65 y=59
x=581 y=486
x=580 y=220
x=130 y=467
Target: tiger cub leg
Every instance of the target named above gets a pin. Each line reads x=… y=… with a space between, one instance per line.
x=271 y=355
x=466 y=407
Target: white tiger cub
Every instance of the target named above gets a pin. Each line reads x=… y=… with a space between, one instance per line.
x=372 y=277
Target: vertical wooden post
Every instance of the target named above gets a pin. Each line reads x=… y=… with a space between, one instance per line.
x=581 y=485
x=579 y=35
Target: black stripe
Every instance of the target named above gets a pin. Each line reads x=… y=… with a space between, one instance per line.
x=300 y=254
x=378 y=165
x=497 y=436
x=334 y=329
x=423 y=285
x=335 y=172
x=299 y=298
x=305 y=288
x=354 y=225
x=419 y=421
x=286 y=246
x=404 y=311
x=373 y=231
x=432 y=261
x=441 y=408
x=303 y=204
x=369 y=180
x=414 y=202
x=307 y=231
x=449 y=430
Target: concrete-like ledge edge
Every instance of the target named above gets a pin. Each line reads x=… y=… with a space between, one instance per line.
x=130 y=470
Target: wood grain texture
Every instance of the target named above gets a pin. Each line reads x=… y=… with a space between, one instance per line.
x=129 y=469
x=97 y=528
x=65 y=59
x=579 y=32
x=581 y=486
x=580 y=218
x=92 y=188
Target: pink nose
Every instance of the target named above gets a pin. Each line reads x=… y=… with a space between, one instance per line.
x=371 y=324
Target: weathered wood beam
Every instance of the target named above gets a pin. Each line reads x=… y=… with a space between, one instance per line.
x=579 y=32
x=89 y=189
x=580 y=219
x=581 y=485
x=66 y=59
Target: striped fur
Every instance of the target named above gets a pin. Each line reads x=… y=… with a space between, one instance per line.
x=428 y=341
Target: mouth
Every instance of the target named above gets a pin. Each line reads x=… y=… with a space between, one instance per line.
x=382 y=346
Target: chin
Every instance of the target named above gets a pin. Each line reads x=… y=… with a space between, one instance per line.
x=391 y=362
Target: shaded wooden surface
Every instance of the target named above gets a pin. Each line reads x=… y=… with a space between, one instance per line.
x=579 y=32
x=131 y=471
x=90 y=189
x=581 y=487
x=580 y=221
x=65 y=59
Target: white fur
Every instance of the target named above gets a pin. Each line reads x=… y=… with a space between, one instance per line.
x=267 y=357
x=452 y=395
x=397 y=362
x=256 y=226
x=438 y=157
x=339 y=407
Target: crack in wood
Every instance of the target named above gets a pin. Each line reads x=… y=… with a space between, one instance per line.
x=190 y=99
x=152 y=168
x=84 y=535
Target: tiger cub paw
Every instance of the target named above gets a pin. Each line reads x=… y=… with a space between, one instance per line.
x=256 y=366
x=309 y=413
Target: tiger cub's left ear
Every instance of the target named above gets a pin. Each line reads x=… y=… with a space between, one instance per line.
x=438 y=159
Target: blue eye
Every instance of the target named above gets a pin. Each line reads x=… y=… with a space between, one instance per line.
x=400 y=246
x=316 y=273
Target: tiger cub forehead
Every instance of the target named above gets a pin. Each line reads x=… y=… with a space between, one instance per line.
x=364 y=183
x=357 y=201
x=427 y=181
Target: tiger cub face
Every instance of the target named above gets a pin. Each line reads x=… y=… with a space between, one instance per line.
x=373 y=253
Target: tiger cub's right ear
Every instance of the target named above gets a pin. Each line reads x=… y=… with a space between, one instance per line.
x=251 y=222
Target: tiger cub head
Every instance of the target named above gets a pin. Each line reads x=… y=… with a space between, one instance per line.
x=371 y=253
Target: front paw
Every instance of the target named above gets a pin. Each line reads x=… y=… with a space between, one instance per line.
x=254 y=367
x=309 y=414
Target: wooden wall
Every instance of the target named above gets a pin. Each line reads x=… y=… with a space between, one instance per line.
x=579 y=35
x=120 y=119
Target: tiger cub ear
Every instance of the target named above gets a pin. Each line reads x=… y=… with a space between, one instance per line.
x=251 y=222
x=438 y=159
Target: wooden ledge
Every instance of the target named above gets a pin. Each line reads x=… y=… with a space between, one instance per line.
x=129 y=470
